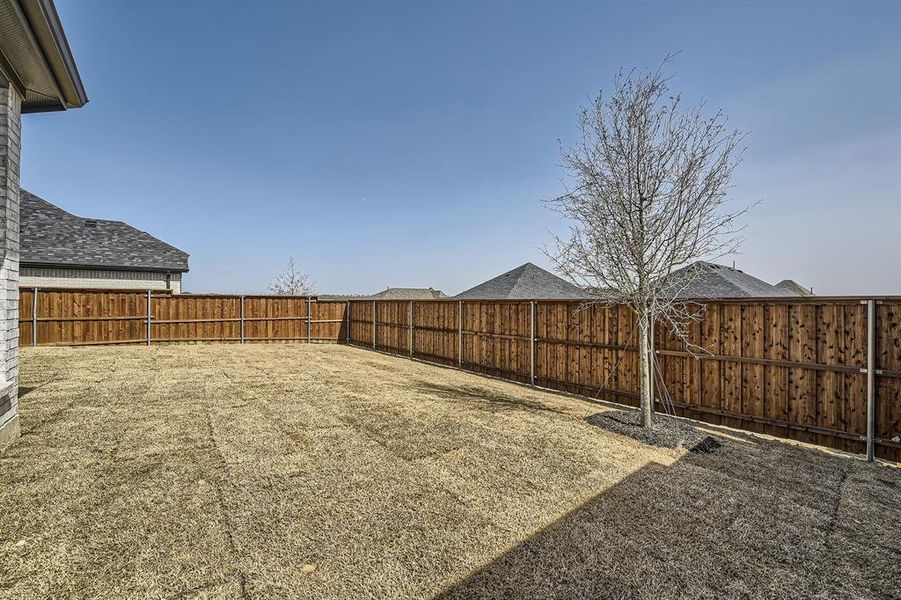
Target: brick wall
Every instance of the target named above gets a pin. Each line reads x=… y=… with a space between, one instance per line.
x=10 y=143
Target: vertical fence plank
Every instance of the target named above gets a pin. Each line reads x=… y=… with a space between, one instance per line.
x=34 y=317
x=776 y=386
x=149 y=316
x=888 y=371
x=460 y=334
x=532 y=342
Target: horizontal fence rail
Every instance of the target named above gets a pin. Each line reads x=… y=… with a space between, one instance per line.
x=819 y=370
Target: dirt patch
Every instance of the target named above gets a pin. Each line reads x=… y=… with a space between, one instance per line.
x=273 y=471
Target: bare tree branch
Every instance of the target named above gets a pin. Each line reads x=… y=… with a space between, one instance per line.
x=649 y=189
x=291 y=282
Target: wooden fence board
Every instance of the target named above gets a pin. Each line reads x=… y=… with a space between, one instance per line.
x=775 y=347
x=435 y=331
x=711 y=371
x=888 y=360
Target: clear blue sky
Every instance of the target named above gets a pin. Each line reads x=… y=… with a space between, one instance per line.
x=411 y=144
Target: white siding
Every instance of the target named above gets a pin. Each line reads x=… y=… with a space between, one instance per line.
x=46 y=277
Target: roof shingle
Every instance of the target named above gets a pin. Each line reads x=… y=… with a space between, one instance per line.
x=794 y=286
x=50 y=236
x=708 y=280
x=526 y=282
x=409 y=294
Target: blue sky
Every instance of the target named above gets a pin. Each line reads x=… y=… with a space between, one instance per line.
x=411 y=143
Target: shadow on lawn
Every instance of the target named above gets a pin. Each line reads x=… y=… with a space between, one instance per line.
x=489 y=399
x=745 y=521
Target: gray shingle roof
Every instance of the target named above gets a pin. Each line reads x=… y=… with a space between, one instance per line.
x=794 y=286
x=525 y=282
x=409 y=294
x=49 y=236
x=720 y=281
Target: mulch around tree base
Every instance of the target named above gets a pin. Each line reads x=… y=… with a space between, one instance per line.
x=667 y=432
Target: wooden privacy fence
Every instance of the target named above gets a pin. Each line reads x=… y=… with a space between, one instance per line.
x=819 y=370
x=96 y=317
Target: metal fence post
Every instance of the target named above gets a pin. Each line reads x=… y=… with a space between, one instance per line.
x=411 y=329
x=347 y=319
x=34 y=318
x=309 y=320
x=871 y=380
x=149 y=315
x=242 y=319
x=460 y=335
x=532 y=343
x=373 y=325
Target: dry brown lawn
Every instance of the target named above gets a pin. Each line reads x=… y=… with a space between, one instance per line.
x=294 y=471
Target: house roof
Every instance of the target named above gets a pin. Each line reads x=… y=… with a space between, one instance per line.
x=50 y=236
x=36 y=58
x=709 y=280
x=525 y=282
x=793 y=286
x=409 y=294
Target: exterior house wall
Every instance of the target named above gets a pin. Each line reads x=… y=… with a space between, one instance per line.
x=52 y=277
x=10 y=146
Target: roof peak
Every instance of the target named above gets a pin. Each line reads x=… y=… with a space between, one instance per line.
x=528 y=281
x=53 y=206
x=702 y=279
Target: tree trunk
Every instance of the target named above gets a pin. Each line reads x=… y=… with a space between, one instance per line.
x=647 y=417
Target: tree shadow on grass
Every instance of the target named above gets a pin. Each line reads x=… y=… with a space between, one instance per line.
x=482 y=397
x=744 y=521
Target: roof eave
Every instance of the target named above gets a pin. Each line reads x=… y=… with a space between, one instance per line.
x=50 y=39
x=95 y=267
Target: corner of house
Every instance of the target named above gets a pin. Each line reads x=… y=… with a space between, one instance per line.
x=9 y=432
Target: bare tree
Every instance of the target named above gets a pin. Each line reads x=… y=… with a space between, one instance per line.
x=291 y=282
x=648 y=194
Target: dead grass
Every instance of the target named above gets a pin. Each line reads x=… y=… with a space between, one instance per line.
x=332 y=472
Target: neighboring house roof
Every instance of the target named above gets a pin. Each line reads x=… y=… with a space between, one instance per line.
x=408 y=294
x=35 y=55
x=793 y=286
x=341 y=296
x=49 y=236
x=709 y=280
x=525 y=282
